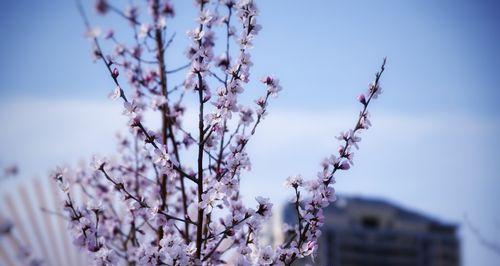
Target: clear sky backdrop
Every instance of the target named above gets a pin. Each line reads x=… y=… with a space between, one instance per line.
x=435 y=142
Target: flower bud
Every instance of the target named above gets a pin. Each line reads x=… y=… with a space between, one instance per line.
x=115 y=73
x=344 y=166
x=102 y=7
x=109 y=34
x=362 y=99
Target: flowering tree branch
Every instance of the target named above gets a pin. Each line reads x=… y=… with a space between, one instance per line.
x=142 y=211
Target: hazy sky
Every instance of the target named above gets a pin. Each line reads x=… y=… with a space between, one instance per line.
x=435 y=141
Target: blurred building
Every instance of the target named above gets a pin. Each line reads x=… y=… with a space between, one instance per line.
x=361 y=231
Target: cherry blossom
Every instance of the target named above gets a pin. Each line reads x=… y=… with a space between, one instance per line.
x=266 y=256
x=115 y=94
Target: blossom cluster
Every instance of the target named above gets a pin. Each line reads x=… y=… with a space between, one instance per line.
x=147 y=205
x=319 y=192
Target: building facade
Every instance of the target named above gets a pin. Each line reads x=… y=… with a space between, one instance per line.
x=372 y=232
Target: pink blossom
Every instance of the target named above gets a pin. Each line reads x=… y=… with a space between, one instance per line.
x=115 y=94
x=266 y=256
x=144 y=31
x=294 y=181
x=362 y=99
x=93 y=32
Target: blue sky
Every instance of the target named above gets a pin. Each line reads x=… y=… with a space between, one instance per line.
x=434 y=145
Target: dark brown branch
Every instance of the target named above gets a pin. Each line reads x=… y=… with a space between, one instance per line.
x=178 y=69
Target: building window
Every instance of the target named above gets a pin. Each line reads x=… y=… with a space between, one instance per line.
x=370 y=222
